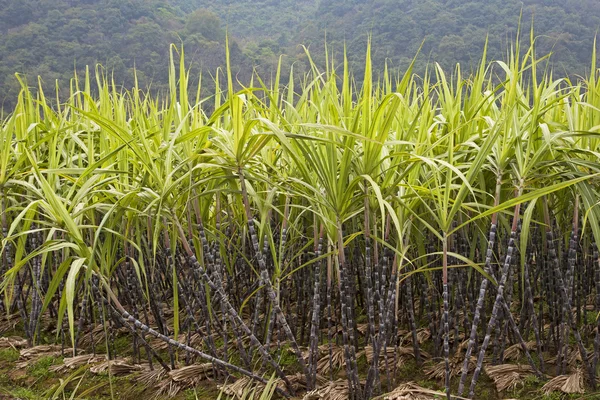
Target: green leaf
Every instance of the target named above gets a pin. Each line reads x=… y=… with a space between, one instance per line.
x=76 y=265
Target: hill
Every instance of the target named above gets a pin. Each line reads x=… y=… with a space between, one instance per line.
x=451 y=30
x=52 y=38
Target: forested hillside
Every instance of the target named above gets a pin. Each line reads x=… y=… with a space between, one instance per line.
x=452 y=30
x=455 y=30
x=52 y=38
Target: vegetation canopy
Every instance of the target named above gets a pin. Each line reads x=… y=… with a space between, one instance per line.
x=310 y=237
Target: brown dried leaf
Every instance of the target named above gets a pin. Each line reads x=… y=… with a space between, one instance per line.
x=572 y=383
x=78 y=361
x=337 y=390
x=515 y=351
x=412 y=391
x=507 y=376
x=13 y=342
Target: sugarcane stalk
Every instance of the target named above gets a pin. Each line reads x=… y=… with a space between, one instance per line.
x=222 y=296
x=347 y=323
x=314 y=338
x=566 y=303
x=500 y=301
x=139 y=325
x=445 y=317
x=596 y=261
x=266 y=280
x=369 y=273
x=482 y=291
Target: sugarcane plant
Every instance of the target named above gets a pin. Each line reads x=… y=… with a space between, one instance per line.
x=306 y=230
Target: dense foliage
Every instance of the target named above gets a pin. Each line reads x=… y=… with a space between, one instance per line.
x=453 y=30
x=52 y=38
x=348 y=226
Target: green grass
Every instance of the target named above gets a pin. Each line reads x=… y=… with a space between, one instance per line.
x=40 y=369
x=25 y=393
x=9 y=355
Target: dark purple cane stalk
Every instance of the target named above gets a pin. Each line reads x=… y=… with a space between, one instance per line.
x=18 y=295
x=566 y=303
x=131 y=281
x=221 y=296
x=169 y=268
x=504 y=321
x=282 y=255
x=411 y=320
x=382 y=327
x=314 y=328
x=463 y=293
x=532 y=313
x=266 y=280
x=82 y=318
x=347 y=330
x=383 y=336
x=237 y=339
x=482 y=291
x=330 y=311
x=446 y=331
x=5 y=260
x=495 y=312
x=186 y=294
x=219 y=269
x=143 y=327
x=570 y=272
x=596 y=260
x=499 y=301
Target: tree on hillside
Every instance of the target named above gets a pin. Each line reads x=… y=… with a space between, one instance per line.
x=205 y=24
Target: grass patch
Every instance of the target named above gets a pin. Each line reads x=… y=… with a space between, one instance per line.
x=200 y=393
x=9 y=355
x=24 y=393
x=41 y=368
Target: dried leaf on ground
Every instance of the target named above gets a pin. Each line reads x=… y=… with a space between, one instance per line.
x=336 y=390
x=14 y=342
x=411 y=391
x=70 y=363
x=401 y=353
x=572 y=383
x=508 y=376
x=438 y=371
x=117 y=367
x=515 y=351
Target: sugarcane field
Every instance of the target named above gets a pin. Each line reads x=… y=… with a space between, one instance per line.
x=394 y=236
